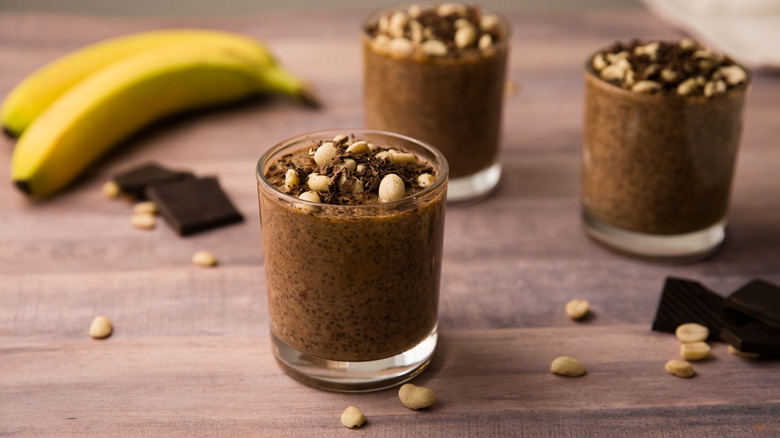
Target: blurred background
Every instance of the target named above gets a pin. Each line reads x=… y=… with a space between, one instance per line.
x=195 y=8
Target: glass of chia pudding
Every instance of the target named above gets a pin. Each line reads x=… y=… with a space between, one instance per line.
x=436 y=72
x=352 y=227
x=663 y=121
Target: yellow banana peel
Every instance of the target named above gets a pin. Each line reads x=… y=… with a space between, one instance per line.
x=128 y=93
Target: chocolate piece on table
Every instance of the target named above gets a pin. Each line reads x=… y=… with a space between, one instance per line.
x=134 y=181
x=759 y=300
x=753 y=337
x=194 y=204
x=684 y=301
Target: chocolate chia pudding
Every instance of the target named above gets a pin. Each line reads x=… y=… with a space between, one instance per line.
x=437 y=73
x=352 y=273
x=662 y=128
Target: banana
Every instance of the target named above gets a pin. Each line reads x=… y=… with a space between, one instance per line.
x=127 y=94
x=38 y=90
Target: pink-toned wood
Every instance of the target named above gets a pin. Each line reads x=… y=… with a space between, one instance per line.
x=190 y=355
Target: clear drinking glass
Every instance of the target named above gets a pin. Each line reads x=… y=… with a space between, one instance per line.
x=353 y=289
x=452 y=102
x=657 y=169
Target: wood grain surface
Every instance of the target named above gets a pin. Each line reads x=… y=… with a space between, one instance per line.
x=190 y=355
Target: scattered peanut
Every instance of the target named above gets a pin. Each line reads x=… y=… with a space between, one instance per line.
x=679 y=368
x=694 y=350
x=147 y=207
x=400 y=47
x=687 y=86
x=433 y=48
x=318 y=183
x=692 y=332
x=707 y=54
x=446 y=9
x=395 y=27
x=485 y=41
x=732 y=74
x=688 y=44
x=381 y=42
x=461 y=22
x=426 y=180
x=415 y=11
x=111 y=190
x=310 y=196
x=466 y=36
x=599 y=63
x=614 y=71
x=359 y=147
x=577 y=309
x=291 y=178
x=352 y=417
x=391 y=188
x=619 y=58
x=416 y=397
x=567 y=366
x=100 y=327
x=385 y=155
x=350 y=164
x=712 y=88
x=668 y=75
x=204 y=259
x=403 y=157
x=488 y=22
x=325 y=153
x=646 y=87
x=340 y=138
x=143 y=221
x=649 y=50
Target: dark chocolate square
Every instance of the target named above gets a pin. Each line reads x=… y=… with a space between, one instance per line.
x=753 y=337
x=759 y=300
x=684 y=301
x=193 y=205
x=135 y=181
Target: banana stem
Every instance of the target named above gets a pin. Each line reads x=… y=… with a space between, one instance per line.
x=277 y=79
x=9 y=133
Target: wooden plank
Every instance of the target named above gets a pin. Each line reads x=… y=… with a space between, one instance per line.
x=488 y=383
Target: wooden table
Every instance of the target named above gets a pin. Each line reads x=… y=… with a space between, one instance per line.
x=190 y=354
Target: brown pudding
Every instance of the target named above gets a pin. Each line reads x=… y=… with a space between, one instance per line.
x=353 y=276
x=662 y=128
x=437 y=73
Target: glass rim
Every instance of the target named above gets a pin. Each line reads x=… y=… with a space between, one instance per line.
x=441 y=165
x=505 y=23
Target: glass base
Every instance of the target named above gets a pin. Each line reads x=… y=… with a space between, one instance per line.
x=354 y=376
x=675 y=248
x=474 y=186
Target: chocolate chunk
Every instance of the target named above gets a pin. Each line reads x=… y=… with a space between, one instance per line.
x=194 y=204
x=135 y=181
x=684 y=301
x=759 y=300
x=753 y=337
x=689 y=301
